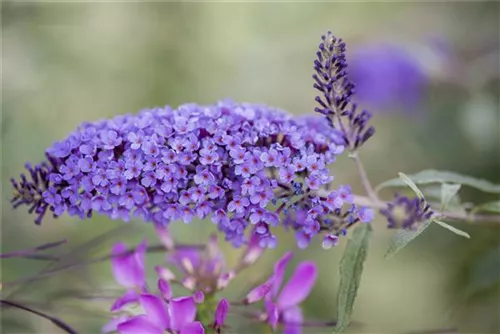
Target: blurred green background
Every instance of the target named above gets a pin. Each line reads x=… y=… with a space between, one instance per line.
x=65 y=63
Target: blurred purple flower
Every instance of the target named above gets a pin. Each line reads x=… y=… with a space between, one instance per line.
x=387 y=77
x=204 y=269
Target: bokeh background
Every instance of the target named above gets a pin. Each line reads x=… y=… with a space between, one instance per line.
x=428 y=71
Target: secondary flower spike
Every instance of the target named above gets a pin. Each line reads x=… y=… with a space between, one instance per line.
x=337 y=90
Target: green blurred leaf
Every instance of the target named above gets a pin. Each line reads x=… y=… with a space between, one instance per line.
x=485 y=271
x=452 y=229
x=351 y=269
x=435 y=176
x=403 y=237
x=411 y=184
x=448 y=191
x=488 y=207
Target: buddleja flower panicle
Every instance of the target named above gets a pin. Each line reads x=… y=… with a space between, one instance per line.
x=229 y=162
x=335 y=102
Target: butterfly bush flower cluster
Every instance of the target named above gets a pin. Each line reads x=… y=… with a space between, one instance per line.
x=406 y=213
x=202 y=272
x=244 y=166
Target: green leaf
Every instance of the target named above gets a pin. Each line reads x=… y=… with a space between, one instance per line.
x=448 y=191
x=435 y=176
x=351 y=268
x=493 y=207
x=403 y=237
x=452 y=229
x=411 y=184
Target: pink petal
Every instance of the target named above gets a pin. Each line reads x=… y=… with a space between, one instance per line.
x=139 y=324
x=221 y=313
x=212 y=247
x=164 y=273
x=156 y=310
x=164 y=236
x=193 y=328
x=299 y=285
x=130 y=296
x=128 y=268
x=224 y=279
x=272 y=313
x=258 y=292
x=292 y=319
x=112 y=325
x=165 y=289
x=182 y=312
x=279 y=272
x=253 y=251
x=140 y=257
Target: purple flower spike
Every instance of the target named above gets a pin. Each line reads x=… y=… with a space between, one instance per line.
x=335 y=100
x=128 y=268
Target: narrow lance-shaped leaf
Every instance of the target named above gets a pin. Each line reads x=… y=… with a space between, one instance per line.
x=435 y=176
x=493 y=207
x=351 y=269
x=403 y=237
x=411 y=184
x=448 y=191
x=452 y=229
